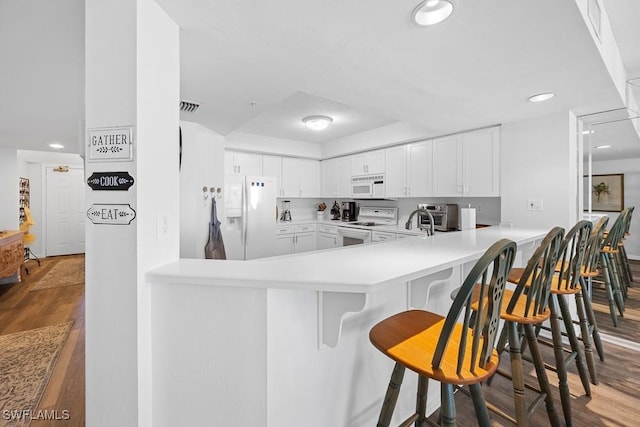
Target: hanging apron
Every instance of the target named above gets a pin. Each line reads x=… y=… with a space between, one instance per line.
x=214 y=249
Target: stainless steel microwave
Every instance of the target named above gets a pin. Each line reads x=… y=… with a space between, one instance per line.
x=367 y=187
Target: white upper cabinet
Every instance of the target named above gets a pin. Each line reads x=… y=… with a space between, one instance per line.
x=396 y=176
x=329 y=173
x=300 y=177
x=371 y=162
x=272 y=166
x=409 y=170
x=239 y=163
x=336 y=177
x=447 y=166
x=467 y=164
x=481 y=162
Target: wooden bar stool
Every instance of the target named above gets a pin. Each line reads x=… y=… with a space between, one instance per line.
x=566 y=283
x=589 y=330
x=527 y=307
x=442 y=349
x=611 y=273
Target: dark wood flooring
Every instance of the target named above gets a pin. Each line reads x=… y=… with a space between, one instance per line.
x=614 y=402
x=21 y=309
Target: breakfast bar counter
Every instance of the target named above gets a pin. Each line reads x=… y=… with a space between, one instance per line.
x=283 y=341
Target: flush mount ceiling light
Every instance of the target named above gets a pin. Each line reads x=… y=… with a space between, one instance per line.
x=431 y=12
x=56 y=146
x=317 y=122
x=541 y=97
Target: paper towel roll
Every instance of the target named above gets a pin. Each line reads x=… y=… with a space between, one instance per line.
x=467 y=218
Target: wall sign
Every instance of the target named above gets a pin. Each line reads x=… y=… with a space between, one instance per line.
x=111 y=144
x=112 y=181
x=120 y=214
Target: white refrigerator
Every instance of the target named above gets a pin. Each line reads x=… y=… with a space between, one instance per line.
x=249 y=229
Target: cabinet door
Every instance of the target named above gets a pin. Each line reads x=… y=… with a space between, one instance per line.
x=358 y=164
x=481 y=162
x=419 y=169
x=284 y=244
x=344 y=177
x=272 y=166
x=375 y=162
x=290 y=177
x=230 y=167
x=309 y=176
x=300 y=177
x=396 y=175
x=327 y=241
x=239 y=163
x=305 y=242
x=447 y=169
x=329 y=176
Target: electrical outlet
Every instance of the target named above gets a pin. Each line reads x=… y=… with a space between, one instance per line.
x=534 y=205
x=479 y=208
x=163 y=226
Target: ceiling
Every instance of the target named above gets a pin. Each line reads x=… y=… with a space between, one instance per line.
x=261 y=66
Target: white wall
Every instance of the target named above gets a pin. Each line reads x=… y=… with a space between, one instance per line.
x=539 y=161
x=631 y=170
x=9 y=190
x=270 y=145
x=132 y=79
x=202 y=166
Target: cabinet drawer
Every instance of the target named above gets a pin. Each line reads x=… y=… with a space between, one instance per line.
x=329 y=229
x=305 y=228
x=284 y=229
x=382 y=236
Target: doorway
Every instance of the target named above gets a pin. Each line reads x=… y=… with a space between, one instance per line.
x=65 y=210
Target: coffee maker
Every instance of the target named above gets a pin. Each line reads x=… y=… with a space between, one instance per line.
x=348 y=211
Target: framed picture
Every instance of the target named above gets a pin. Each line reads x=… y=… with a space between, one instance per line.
x=607 y=192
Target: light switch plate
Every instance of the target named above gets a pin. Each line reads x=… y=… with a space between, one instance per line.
x=163 y=226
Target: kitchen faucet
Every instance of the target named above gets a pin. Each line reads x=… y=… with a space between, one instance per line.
x=423 y=211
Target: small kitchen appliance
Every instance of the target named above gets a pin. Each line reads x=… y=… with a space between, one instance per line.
x=286 y=210
x=348 y=211
x=335 y=211
x=445 y=216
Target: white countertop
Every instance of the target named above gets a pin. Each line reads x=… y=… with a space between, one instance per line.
x=359 y=268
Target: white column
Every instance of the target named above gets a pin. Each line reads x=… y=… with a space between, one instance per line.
x=132 y=79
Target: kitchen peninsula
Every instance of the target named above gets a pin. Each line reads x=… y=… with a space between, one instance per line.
x=283 y=341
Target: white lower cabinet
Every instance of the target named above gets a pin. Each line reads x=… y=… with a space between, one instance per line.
x=292 y=239
x=382 y=236
x=327 y=237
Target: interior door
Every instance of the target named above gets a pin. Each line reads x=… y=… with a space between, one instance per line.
x=65 y=211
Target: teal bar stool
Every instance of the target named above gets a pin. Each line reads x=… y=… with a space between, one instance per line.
x=456 y=350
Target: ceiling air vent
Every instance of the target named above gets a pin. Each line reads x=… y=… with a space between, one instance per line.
x=188 y=107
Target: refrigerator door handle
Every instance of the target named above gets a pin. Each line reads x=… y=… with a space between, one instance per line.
x=245 y=214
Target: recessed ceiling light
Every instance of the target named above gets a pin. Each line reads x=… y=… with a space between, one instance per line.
x=56 y=146
x=317 y=122
x=431 y=12
x=602 y=146
x=541 y=97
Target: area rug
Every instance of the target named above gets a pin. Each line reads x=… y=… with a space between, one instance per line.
x=67 y=272
x=27 y=360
